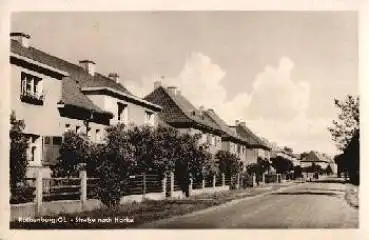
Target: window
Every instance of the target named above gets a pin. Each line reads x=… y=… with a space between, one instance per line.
x=208 y=138
x=67 y=127
x=149 y=118
x=98 y=136
x=47 y=140
x=88 y=130
x=31 y=89
x=78 y=129
x=33 y=151
x=122 y=113
x=57 y=140
x=213 y=140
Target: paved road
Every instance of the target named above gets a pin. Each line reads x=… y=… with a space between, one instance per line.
x=308 y=205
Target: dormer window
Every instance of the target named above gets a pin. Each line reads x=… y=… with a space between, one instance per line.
x=31 y=89
x=149 y=118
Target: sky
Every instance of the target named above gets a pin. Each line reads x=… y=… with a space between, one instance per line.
x=277 y=71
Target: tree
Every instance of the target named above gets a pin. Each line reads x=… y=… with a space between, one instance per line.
x=282 y=165
x=116 y=164
x=329 y=170
x=297 y=171
x=18 y=153
x=228 y=163
x=351 y=158
x=348 y=121
x=288 y=150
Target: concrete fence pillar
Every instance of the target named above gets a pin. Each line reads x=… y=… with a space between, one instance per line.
x=254 y=179
x=38 y=197
x=263 y=180
x=83 y=177
x=214 y=181
x=223 y=179
x=171 y=184
x=203 y=184
x=164 y=185
x=144 y=187
x=238 y=180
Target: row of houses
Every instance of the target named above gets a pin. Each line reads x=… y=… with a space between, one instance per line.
x=53 y=95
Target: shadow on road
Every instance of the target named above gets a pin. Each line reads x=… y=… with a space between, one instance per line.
x=306 y=193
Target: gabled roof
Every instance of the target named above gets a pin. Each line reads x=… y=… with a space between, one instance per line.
x=314 y=156
x=71 y=92
x=78 y=77
x=228 y=132
x=72 y=95
x=252 y=139
x=177 y=110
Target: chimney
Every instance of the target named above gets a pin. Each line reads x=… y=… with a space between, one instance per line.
x=114 y=76
x=202 y=108
x=88 y=66
x=157 y=84
x=22 y=38
x=172 y=90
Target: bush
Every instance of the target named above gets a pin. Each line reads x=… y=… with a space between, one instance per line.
x=18 y=157
x=22 y=193
x=246 y=180
x=74 y=150
x=297 y=172
x=282 y=165
x=161 y=150
x=116 y=163
x=230 y=165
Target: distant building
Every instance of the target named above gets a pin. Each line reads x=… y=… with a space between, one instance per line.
x=318 y=159
x=256 y=148
x=230 y=140
x=181 y=114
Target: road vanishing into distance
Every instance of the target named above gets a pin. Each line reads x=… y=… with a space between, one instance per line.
x=307 y=205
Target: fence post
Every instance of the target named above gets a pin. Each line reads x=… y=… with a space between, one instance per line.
x=214 y=181
x=238 y=180
x=144 y=186
x=190 y=187
x=83 y=177
x=253 y=179
x=171 y=184
x=164 y=185
x=223 y=179
x=38 y=197
x=263 y=181
x=203 y=183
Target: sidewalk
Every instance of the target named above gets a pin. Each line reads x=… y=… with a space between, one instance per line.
x=241 y=193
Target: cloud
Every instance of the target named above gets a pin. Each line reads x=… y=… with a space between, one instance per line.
x=199 y=81
x=275 y=107
x=276 y=96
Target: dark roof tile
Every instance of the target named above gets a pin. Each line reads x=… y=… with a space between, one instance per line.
x=78 y=77
x=177 y=109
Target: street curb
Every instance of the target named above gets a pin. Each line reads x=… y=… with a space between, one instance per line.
x=217 y=207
